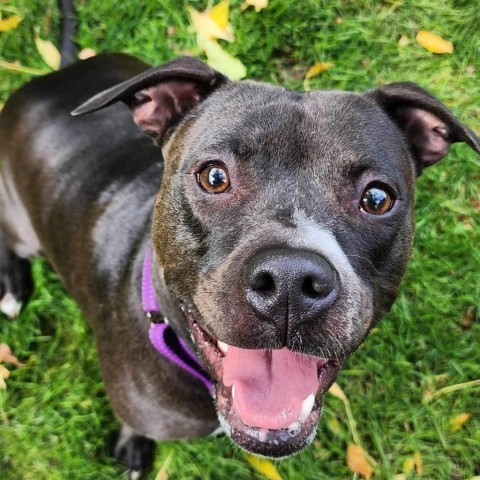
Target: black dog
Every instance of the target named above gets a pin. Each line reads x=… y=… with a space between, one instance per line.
x=280 y=224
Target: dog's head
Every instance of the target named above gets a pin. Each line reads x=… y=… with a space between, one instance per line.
x=282 y=229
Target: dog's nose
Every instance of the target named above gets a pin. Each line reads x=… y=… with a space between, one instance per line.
x=290 y=285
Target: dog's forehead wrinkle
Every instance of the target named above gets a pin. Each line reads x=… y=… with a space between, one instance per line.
x=274 y=128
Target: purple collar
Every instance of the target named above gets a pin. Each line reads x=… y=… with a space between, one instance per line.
x=162 y=336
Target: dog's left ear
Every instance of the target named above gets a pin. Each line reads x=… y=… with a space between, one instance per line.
x=160 y=96
x=429 y=126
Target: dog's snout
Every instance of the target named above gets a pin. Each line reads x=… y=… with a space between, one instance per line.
x=293 y=286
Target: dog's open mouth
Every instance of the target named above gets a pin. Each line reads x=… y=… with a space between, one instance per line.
x=268 y=401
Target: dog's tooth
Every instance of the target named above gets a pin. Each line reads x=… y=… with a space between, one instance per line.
x=306 y=407
x=165 y=319
x=233 y=393
x=263 y=435
x=222 y=346
x=294 y=428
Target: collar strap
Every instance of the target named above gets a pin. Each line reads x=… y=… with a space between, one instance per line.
x=162 y=336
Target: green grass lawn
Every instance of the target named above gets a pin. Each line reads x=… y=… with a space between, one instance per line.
x=54 y=417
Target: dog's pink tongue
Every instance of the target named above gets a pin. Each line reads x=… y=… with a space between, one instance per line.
x=269 y=386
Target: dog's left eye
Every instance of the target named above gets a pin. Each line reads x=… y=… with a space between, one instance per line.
x=214 y=178
x=376 y=200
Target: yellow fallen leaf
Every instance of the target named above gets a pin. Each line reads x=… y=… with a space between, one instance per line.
x=334 y=426
x=16 y=67
x=258 y=4
x=433 y=43
x=10 y=23
x=336 y=391
x=86 y=53
x=408 y=465
x=4 y=374
x=318 y=68
x=403 y=41
x=162 y=473
x=48 y=51
x=314 y=71
x=219 y=14
x=417 y=460
x=457 y=422
x=357 y=461
x=265 y=467
x=222 y=61
x=7 y=356
x=208 y=29
x=413 y=463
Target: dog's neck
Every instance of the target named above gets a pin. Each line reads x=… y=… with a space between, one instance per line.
x=162 y=336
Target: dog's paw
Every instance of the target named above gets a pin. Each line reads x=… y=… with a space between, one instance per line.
x=16 y=284
x=136 y=452
x=10 y=306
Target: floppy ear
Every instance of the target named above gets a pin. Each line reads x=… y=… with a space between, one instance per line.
x=429 y=126
x=160 y=96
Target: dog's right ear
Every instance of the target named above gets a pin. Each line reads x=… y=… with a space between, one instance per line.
x=160 y=96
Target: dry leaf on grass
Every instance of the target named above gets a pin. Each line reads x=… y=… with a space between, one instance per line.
x=7 y=356
x=457 y=422
x=10 y=23
x=408 y=466
x=403 y=41
x=219 y=14
x=86 y=53
x=315 y=70
x=258 y=4
x=212 y=23
x=413 y=463
x=417 y=460
x=334 y=425
x=336 y=391
x=48 y=51
x=4 y=374
x=265 y=467
x=357 y=461
x=469 y=315
x=433 y=43
x=17 y=67
x=162 y=473
x=221 y=60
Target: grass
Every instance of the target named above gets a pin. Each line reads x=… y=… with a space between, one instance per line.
x=54 y=418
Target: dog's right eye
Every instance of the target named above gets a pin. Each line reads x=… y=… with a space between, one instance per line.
x=214 y=178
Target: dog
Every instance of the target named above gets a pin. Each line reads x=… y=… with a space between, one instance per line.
x=229 y=267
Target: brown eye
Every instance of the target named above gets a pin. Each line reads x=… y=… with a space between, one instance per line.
x=214 y=178
x=376 y=200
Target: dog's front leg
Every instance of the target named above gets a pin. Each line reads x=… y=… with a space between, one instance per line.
x=133 y=450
